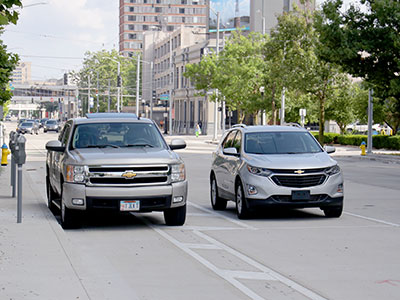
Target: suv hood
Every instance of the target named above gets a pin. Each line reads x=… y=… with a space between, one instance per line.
x=123 y=156
x=291 y=161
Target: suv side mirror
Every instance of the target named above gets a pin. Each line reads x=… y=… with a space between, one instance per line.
x=177 y=144
x=231 y=151
x=329 y=149
x=55 y=146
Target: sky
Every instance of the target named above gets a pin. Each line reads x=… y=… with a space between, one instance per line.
x=55 y=34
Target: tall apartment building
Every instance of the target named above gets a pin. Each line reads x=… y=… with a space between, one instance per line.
x=263 y=12
x=139 y=16
x=22 y=73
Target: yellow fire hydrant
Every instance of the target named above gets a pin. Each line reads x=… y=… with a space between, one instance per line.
x=4 y=153
x=362 y=147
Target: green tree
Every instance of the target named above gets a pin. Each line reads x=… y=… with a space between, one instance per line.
x=105 y=64
x=366 y=43
x=7 y=12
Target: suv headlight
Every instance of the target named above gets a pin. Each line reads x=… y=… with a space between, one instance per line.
x=178 y=173
x=332 y=170
x=259 y=171
x=76 y=173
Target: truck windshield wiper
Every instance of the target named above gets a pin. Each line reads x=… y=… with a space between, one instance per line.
x=102 y=146
x=139 y=145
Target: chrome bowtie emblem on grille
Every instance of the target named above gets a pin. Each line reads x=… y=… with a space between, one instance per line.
x=299 y=171
x=128 y=175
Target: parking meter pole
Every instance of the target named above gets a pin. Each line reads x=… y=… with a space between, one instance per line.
x=19 y=201
x=13 y=175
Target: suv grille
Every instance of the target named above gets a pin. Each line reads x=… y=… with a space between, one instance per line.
x=128 y=175
x=299 y=181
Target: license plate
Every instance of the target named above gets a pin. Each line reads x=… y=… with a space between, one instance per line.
x=130 y=205
x=300 y=195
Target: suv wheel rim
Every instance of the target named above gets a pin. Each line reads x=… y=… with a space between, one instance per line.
x=239 y=201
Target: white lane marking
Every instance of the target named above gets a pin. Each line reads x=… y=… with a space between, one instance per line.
x=199 y=215
x=269 y=272
x=250 y=275
x=202 y=246
x=239 y=223
x=372 y=219
x=204 y=262
x=202 y=228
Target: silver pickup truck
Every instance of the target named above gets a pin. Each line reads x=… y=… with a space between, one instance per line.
x=115 y=161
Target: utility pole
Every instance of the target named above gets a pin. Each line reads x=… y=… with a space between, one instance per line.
x=172 y=88
x=370 y=121
x=109 y=97
x=137 y=84
x=118 y=86
x=97 y=92
x=88 y=104
x=216 y=100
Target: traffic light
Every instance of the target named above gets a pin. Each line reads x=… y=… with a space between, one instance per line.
x=154 y=95
x=119 y=81
x=65 y=79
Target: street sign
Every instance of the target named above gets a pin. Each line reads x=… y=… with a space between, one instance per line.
x=164 y=97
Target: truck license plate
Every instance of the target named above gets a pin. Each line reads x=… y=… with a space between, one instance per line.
x=130 y=205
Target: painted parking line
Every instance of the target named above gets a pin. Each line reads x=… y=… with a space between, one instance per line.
x=232 y=276
x=372 y=219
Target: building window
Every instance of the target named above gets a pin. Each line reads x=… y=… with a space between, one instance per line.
x=183 y=1
x=145 y=27
x=158 y=9
x=131 y=27
x=181 y=10
x=131 y=18
x=170 y=28
x=131 y=9
x=132 y=36
x=158 y=1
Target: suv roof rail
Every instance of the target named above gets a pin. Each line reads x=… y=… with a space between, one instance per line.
x=239 y=125
x=110 y=115
x=293 y=125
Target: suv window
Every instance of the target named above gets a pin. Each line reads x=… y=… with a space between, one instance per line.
x=228 y=143
x=112 y=134
x=237 y=142
x=280 y=143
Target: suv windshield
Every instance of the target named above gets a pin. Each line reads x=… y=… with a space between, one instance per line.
x=109 y=134
x=51 y=122
x=280 y=143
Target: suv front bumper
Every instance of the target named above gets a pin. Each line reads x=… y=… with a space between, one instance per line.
x=152 y=198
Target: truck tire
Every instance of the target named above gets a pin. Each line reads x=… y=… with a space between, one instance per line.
x=175 y=216
x=51 y=195
x=70 y=218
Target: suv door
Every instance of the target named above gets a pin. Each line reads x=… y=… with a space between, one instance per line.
x=233 y=163
x=222 y=163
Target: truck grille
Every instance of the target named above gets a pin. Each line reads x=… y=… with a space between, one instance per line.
x=299 y=181
x=128 y=175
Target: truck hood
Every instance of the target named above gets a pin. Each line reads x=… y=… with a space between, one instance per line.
x=123 y=156
x=291 y=161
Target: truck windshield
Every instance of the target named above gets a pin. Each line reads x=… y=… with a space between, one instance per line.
x=116 y=135
x=280 y=143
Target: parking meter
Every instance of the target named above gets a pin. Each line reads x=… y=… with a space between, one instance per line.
x=20 y=154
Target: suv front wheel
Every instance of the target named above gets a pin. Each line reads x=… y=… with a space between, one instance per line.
x=333 y=212
x=241 y=205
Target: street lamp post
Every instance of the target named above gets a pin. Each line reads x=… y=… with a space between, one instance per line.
x=216 y=100
x=262 y=89
x=137 y=84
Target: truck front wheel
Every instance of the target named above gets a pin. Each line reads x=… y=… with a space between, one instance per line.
x=175 y=216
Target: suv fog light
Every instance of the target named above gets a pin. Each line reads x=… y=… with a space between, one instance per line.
x=177 y=199
x=340 y=188
x=77 y=201
x=251 y=190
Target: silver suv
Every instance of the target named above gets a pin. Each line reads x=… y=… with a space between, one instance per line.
x=280 y=166
x=117 y=162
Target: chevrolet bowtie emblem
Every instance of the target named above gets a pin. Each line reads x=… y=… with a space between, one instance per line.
x=128 y=175
x=299 y=172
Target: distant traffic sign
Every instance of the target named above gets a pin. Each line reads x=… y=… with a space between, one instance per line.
x=164 y=97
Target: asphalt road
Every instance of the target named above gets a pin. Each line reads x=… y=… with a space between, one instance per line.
x=297 y=254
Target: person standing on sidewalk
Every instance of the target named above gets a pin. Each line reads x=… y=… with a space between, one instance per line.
x=198 y=130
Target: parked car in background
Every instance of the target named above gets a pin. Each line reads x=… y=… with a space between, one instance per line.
x=7 y=118
x=274 y=166
x=51 y=125
x=42 y=121
x=28 y=127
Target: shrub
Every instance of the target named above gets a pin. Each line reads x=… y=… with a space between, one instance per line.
x=329 y=137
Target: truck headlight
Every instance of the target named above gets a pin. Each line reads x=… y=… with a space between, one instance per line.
x=332 y=170
x=76 y=173
x=178 y=173
x=259 y=171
